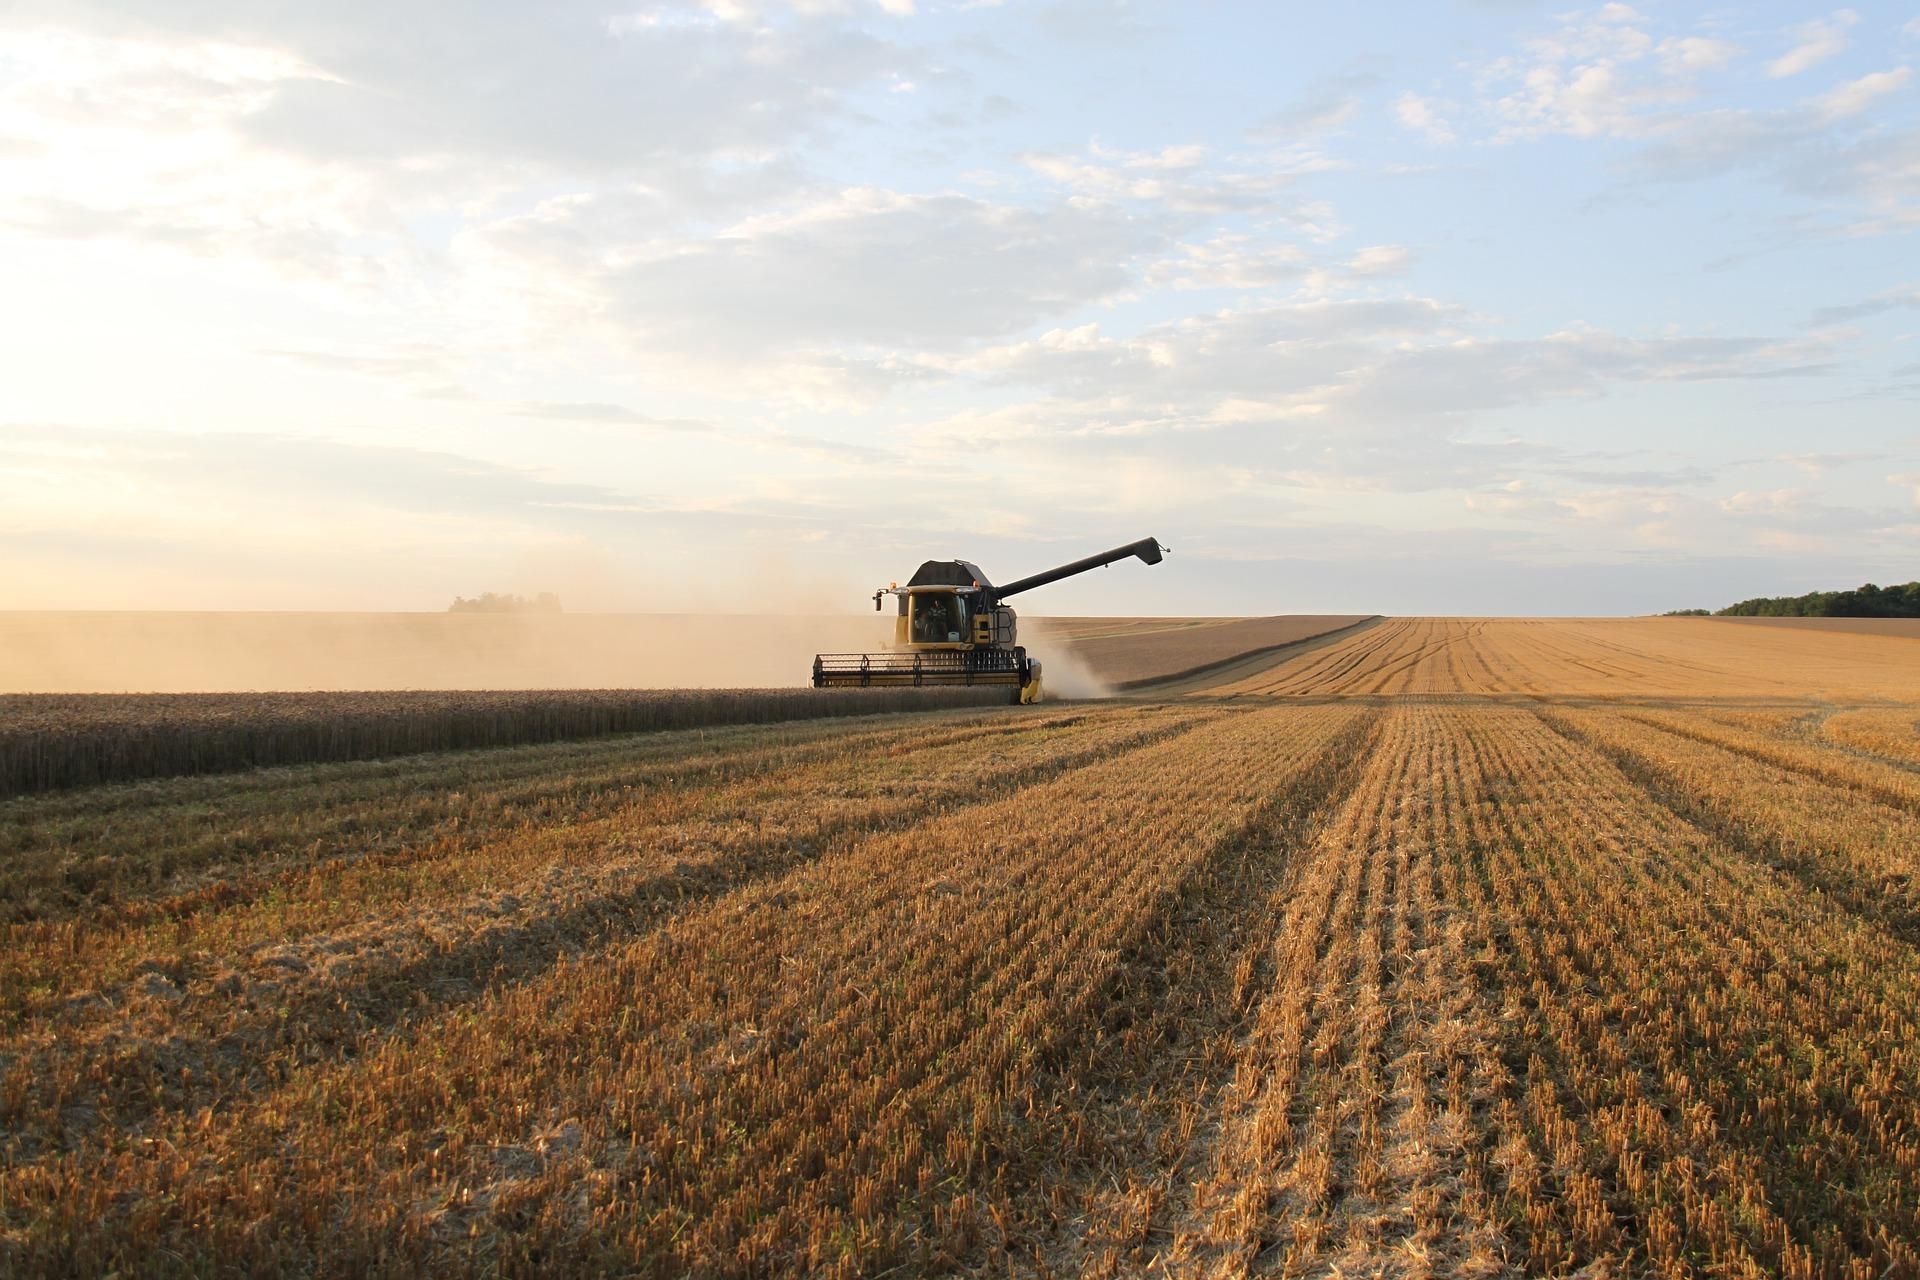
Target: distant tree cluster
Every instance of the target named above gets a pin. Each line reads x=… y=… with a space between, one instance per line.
x=1688 y=613
x=1868 y=601
x=545 y=602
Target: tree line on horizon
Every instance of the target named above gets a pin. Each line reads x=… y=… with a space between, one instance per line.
x=1867 y=601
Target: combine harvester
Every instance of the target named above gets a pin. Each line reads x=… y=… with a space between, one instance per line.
x=952 y=629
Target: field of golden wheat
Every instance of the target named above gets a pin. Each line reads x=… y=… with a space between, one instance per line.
x=48 y=741
x=1443 y=948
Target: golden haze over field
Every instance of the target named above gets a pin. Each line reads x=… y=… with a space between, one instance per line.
x=1505 y=947
x=236 y=652
x=220 y=652
x=156 y=652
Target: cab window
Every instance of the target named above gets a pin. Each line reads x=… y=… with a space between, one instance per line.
x=937 y=618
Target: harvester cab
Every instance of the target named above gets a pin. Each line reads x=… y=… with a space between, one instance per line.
x=950 y=628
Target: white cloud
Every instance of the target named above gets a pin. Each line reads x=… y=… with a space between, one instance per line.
x=1229 y=261
x=1106 y=181
x=1817 y=41
x=1421 y=115
x=1770 y=503
x=316 y=145
x=1339 y=396
x=1855 y=96
x=1326 y=105
x=140 y=142
x=1604 y=75
x=1899 y=298
x=1599 y=75
x=1379 y=260
x=1696 y=53
x=1175 y=177
x=1633 y=506
x=558 y=87
x=603 y=414
x=1871 y=176
x=871 y=269
x=1169 y=159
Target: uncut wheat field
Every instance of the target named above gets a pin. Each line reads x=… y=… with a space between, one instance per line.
x=1430 y=948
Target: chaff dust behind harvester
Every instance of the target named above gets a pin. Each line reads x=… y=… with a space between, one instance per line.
x=952 y=629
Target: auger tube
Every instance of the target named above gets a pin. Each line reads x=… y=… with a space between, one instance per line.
x=1148 y=549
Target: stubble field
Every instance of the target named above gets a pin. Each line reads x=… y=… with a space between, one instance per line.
x=1444 y=947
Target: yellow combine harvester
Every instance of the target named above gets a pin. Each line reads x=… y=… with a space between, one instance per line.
x=953 y=629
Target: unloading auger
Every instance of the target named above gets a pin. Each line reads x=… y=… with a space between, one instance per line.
x=952 y=628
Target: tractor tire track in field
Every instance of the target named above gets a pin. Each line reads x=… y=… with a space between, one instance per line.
x=168 y=850
x=1132 y=1103
x=193 y=1039
x=1236 y=672
x=1350 y=1139
x=1882 y=781
x=1887 y=735
x=1325 y=667
x=1886 y=896
x=468 y=856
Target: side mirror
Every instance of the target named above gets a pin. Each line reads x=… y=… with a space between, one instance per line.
x=876 y=600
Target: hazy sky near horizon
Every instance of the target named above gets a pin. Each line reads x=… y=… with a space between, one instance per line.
x=1475 y=307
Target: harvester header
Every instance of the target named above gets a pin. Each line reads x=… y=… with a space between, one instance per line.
x=952 y=629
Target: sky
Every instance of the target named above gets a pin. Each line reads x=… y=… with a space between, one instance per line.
x=1484 y=307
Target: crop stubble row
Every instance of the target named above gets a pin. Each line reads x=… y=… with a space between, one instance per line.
x=135 y=850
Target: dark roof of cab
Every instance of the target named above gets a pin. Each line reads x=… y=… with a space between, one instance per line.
x=948 y=573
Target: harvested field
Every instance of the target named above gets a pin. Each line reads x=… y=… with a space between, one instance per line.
x=1598 y=658
x=1886 y=731
x=1128 y=653
x=1446 y=948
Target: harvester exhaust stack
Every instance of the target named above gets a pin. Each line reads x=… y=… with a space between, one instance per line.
x=952 y=628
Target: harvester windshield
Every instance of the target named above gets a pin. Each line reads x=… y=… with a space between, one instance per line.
x=936 y=617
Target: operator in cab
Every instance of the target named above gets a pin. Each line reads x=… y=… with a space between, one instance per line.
x=933 y=619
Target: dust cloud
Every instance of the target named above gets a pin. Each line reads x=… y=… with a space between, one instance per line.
x=1063 y=674
x=185 y=652
x=241 y=652
x=769 y=580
